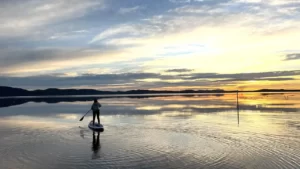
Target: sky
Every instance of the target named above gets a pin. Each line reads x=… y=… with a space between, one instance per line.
x=150 y=44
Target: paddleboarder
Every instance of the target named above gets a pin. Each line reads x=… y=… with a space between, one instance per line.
x=96 y=111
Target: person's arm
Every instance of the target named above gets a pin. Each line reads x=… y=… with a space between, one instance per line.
x=99 y=105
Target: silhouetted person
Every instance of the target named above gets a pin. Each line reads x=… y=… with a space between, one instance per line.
x=96 y=111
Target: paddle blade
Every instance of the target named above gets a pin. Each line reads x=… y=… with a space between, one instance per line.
x=84 y=115
x=81 y=118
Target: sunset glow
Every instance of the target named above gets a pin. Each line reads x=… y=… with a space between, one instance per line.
x=158 y=45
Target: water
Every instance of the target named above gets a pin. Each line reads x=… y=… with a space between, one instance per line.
x=190 y=131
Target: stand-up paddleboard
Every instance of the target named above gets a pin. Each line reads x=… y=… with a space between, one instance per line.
x=96 y=126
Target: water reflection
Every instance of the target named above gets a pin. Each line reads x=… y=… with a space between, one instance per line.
x=13 y=101
x=82 y=131
x=148 y=105
x=238 y=108
x=96 y=146
x=229 y=131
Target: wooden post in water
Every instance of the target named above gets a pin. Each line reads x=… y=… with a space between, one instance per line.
x=238 y=107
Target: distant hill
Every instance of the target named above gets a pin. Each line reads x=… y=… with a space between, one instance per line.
x=10 y=91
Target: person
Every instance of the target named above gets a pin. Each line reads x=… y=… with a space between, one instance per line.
x=96 y=111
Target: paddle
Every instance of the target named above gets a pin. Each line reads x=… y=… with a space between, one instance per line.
x=84 y=115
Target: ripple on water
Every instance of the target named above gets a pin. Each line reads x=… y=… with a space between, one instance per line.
x=219 y=151
x=154 y=149
x=137 y=146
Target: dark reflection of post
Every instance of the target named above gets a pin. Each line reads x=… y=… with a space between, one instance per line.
x=96 y=145
x=238 y=107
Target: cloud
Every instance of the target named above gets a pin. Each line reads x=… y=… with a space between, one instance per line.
x=204 y=16
x=114 y=31
x=68 y=35
x=179 y=70
x=244 y=76
x=272 y=17
x=27 y=17
x=256 y=79
x=225 y=37
x=84 y=79
x=292 y=56
x=151 y=27
x=180 y=1
x=126 y=31
x=204 y=10
x=21 y=60
x=130 y=10
x=143 y=80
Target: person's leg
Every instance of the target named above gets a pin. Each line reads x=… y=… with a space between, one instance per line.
x=98 y=113
x=94 y=114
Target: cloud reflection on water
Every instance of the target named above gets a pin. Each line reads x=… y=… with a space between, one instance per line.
x=199 y=131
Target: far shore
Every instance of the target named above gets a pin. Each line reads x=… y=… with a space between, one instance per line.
x=18 y=92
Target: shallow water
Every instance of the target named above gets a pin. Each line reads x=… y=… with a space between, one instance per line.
x=190 y=131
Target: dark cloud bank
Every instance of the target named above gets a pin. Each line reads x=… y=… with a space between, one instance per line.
x=136 y=80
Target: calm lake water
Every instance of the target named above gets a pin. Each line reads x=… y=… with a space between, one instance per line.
x=190 y=131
